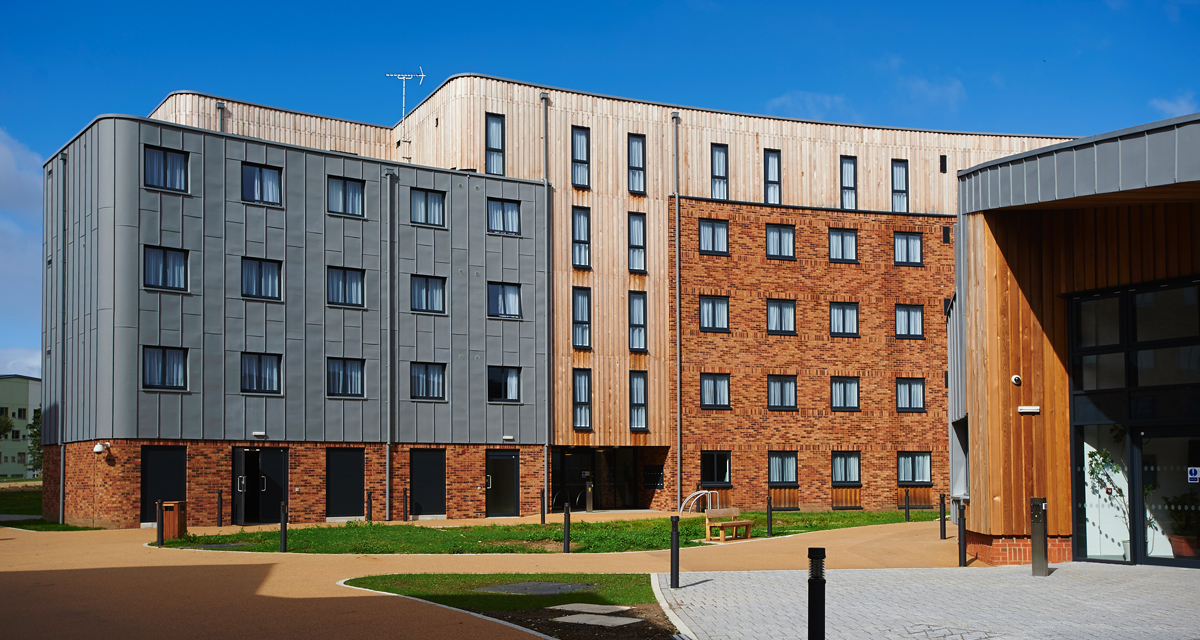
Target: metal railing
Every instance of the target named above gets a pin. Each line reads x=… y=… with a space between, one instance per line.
x=692 y=500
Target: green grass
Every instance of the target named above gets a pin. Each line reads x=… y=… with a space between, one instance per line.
x=8 y=480
x=42 y=525
x=25 y=503
x=458 y=590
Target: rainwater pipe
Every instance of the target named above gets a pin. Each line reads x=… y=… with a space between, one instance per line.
x=678 y=339
x=549 y=295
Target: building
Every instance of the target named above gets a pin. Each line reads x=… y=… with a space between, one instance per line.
x=20 y=398
x=1075 y=348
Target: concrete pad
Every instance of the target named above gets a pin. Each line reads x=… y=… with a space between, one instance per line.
x=17 y=516
x=537 y=588
x=584 y=607
x=597 y=621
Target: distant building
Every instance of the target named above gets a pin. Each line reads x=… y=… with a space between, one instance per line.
x=20 y=397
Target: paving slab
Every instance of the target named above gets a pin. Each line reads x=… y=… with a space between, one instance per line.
x=597 y=621
x=585 y=607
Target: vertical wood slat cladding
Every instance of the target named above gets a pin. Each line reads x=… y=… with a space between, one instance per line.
x=846 y=497
x=1021 y=263
x=784 y=497
x=918 y=497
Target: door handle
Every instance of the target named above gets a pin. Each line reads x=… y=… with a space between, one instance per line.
x=264 y=483
x=241 y=484
x=488 y=484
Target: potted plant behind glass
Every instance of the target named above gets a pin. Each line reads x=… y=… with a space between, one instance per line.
x=1184 y=510
x=1102 y=470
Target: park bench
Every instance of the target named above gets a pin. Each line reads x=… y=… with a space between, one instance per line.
x=716 y=519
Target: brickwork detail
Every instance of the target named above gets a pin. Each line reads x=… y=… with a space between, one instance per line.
x=1002 y=550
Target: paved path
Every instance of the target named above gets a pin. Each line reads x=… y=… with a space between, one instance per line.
x=1077 y=601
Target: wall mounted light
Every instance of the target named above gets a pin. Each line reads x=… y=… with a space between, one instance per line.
x=261 y=435
x=101 y=447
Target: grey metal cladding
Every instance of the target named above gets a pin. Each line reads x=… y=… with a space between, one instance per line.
x=1160 y=157
x=1133 y=162
x=1188 y=152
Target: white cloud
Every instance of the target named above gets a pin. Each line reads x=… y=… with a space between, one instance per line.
x=1181 y=106
x=27 y=362
x=812 y=106
x=920 y=93
x=20 y=179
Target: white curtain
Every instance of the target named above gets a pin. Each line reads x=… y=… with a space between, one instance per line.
x=781 y=391
x=154 y=268
x=337 y=286
x=176 y=269
x=583 y=399
x=270 y=186
x=155 y=168
x=637 y=164
x=908 y=247
x=251 y=277
x=849 y=200
x=781 y=241
x=250 y=380
x=921 y=470
x=418 y=204
x=427 y=380
x=354 y=287
x=845 y=393
x=174 y=365
x=720 y=175
x=714 y=390
x=773 y=186
x=251 y=184
x=582 y=328
x=436 y=294
x=512 y=300
x=910 y=394
x=637 y=400
x=904 y=468
x=337 y=195
x=495 y=215
x=637 y=242
x=512 y=384
x=781 y=315
x=781 y=467
x=845 y=467
x=774 y=321
x=420 y=293
x=270 y=279
x=512 y=217
x=495 y=145
x=270 y=373
x=579 y=157
x=843 y=244
x=436 y=209
x=899 y=186
x=909 y=320
x=637 y=321
x=706 y=236
x=176 y=170
x=152 y=367
x=714 y=313
x=345 y=377
x=354 y=198
x=580 y=251
x=843 y=318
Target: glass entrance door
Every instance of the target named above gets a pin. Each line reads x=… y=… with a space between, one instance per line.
x=1171 y=485
x=1102 y=474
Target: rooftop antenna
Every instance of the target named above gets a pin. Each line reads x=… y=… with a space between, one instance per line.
x=404 y=78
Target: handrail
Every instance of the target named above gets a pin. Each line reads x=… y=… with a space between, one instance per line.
x=693 y=499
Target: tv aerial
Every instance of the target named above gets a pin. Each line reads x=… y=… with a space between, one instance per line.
x=404 y=78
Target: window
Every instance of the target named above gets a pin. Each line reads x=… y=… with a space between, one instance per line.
x=781 y=241
x=3 y=411
x=908 y=248
x=164 y=368
x=495 y=144
x=504 y=384
x=260 y=184
x=345 y=377
x=843 y=245
x=637 y=242
x=583 y=399
x=781 y=317
x=910 y=321
x=714 y=237
x=346 y=286
x=504 y=300
x=900 y=186
x=843 y=319
x=429 y=381
x=346 y=196
x=844 y=394
x=637 y=320
x=581 y=238
x=714 y=468
x=427 y=207
x=781 y=393
x=20 y=414
x=260 y=278
x=714 y=391
x=772 y=190
x=781 y=467
x=580 y=150
x=260 y=373
x=166 y=268
x=16 y=434
x=20 y=458
x=637 y=164
x=581 y=311
x=913 y=467
x=429 y=294
x=720 y=172
x=637 y=400
x=504 y=216
x=714 y=313
x=942 y=160
x=945 y=235
x=652 y=476
x=166 y=169
x=910 y=395
x=849 y=182
x=845 y=468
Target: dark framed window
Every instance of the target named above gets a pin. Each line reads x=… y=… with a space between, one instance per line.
x=714 y=313
x=637 y=242
x=428 y=381
x=504 y=216
x=582 y=397
x=581 y=318
x=346 y=196
x=504 y=384
x=843 y=245
x=844 y=394
x=781 y=393
x=845 y=471
x=166 y=169
x=781 y=241
x=428 y=294
x=581 y=143
x=945 y=235
x=714 y=237
x=494 y=144
x=781 y=468
x=849 y=182
x=345 y=286
x=165 y=269
x=427 y=207
x=908 y=249
x=720 y=171
x=781 y=317
x=714 y=391
x=504 y=300
x=261 y=184
x=900 y=186
x=260 y=372
x=344 y=377
x=910 y=321
x=581 y=254
x=638 y=403
x=772 y=187
x=164 y=368
x=942 y=162
x=637 y=320
x=637 y=164
x=843 y=319
x=260 y=278
x=910 y=395
x=714 y=469
x=913 y=468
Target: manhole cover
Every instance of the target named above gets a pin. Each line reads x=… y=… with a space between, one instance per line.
x=537 y=588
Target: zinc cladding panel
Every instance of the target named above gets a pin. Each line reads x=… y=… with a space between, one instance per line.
x=126 y=164
x=1085 y=170
x=1133 y=161
x=1108 y=167
x=1064 y=171
x=1160 y=159
x=1187 y=150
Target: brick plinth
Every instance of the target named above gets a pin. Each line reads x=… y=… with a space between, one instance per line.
x=1001 y=550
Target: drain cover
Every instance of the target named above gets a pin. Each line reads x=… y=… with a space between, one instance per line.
x=537 y=588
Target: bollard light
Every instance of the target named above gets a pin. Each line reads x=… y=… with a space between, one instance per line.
x=567 y=527
x=674 y=552
x=283 y=527
x=816 y=593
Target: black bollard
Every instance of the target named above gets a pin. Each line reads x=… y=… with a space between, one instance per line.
x=962 y=536
x=404 y=513
x=816 y=593
x=674 y=552
x=160 y=524
x=220 y=508
x=542 y=504
x=369 y=505
x=770 y=519
x=942 y=520
x=567 y=527
x=282 y=527
x=906 y=519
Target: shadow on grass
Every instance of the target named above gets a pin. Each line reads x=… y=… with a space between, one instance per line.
x=460 y=590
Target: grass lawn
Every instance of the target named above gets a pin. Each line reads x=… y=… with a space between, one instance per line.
x=597 y=537
x=458 y=590
x=8 y=480
x=26 y=503
x=42 y=525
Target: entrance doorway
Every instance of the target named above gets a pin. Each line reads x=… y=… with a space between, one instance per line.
x=260 y=484
x=503 y=483
x=345 y=485
x=428 y=478
x=164 y=477
x=612 y=472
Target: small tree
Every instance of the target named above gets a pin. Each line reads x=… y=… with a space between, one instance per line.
x=6 y=425
x=35 y=442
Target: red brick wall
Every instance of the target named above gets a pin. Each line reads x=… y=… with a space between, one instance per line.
x=1000 y=550
x=749 y=354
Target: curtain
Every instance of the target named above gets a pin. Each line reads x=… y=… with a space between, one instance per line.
x=899 y=186
x=903 y=389
x=781 y=467
x=155 y=168
x=720 y=174
x=337 y=195
x=773 y=241
x=637 y=164
x=774 y=392
x=849 y=167
x=173 y=368
x=845 y=467
x=720 y=237
x=152 y=367
x=708 y=390
x=637 y=321
x=354 y=287
x=176 y=171
x=512 y=384
x=420 y=293
x=839 y=468
x=270 y=186
x=270 y=373
x=583 y=399
x=845 y=318
x=845 y=394
x=495 y=215
x=512 y=300
x=914 y=248
x=250 y=380
x=251 y=185
x=512 y=217
x=787 y=242
x=579 y=253
x=435 y=209
x=637 y=243
x=419 y=212
x=436 y=294
x=843 y=245
x=420 y=381
x=722 y=468
x=773 y=186
x=637 y=401
x=582 y=329
x=435 y=374
x=337 y=286
x=270 y=279
x=706 y=236
x=154 y=268
x=852 y=461
x=495 y=145
x=774 y=321
x=251 y=278
x=176 y=269
x=707 y=313
x=722 y=388
x=579 y=157
x=921 y=471
x=354 y=198
x=908 y=247
x=787 y=311
x=909 y=321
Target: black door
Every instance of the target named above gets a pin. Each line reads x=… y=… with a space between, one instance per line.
x=272 y=467
x=428 y=477
x=345 y=485
x=164 y=477
x=259 y=484
x=503 y=478
x=245 y=475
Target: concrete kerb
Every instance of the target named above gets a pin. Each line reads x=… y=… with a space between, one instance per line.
x=683 y=629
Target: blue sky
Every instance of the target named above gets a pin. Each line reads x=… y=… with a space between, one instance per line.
x=1075 y=68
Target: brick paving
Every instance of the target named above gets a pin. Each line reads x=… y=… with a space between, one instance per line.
x=1078 y=600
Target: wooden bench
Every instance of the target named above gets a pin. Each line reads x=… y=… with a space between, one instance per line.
x=715 y=519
